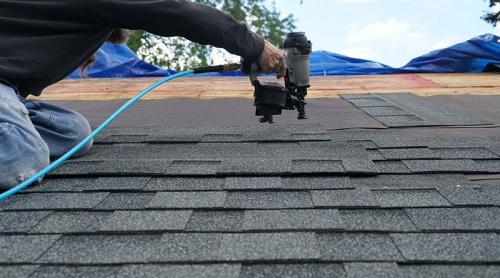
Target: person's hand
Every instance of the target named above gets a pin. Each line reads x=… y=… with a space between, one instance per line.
x=271 y=60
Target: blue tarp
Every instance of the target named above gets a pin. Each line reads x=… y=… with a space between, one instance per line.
x=470 y=56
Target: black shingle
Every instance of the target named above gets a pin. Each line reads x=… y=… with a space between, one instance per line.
x=491 y=166
x=391 y=167
x=146 y=220
x=410 y=198
x=464 y=153
x=369 y=102
x=292 y=220
x=465 y=194
x=308 y=183
x=24 y=249
x=254 y=183
x=185 y=184
x=409 y=153
x=452 y=219
x=357 y=247
x=436 y=166
x=449 y=247
x=255 y=166
x=403 y=121
x=181 y=271
x=62 y=185
x=268 y=200
x=344 y=198
x=385 y=111
x=102 y=249
x=375 y=155
x=193 y=167
x=292 y=271
x=317 y=166
x=18 y=271
x=75 y=272
x=188 y=247
x=126 y=201
x=310 y=137
x=20 y=221
x=220 y=138
x=71 y=222
x=376 y=220
x=219 y=221
x=118 y=183
x=54 y=201
x=438 y=271
x=273 y=246
x=359 y=166
x=198 y=199
x=373 y=270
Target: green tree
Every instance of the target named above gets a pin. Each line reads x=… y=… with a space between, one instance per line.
x=179 y=53
x=493 y=16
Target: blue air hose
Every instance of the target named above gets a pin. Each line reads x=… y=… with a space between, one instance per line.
x=111 y=118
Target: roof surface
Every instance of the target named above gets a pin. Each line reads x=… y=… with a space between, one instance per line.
x=419 y=196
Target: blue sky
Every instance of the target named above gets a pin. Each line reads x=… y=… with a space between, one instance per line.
x=388 y=31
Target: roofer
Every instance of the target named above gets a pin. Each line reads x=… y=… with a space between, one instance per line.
x=41 y=42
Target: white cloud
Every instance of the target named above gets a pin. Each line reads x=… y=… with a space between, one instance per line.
x=390 y=37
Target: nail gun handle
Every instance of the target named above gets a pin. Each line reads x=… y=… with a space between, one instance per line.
x=251 y=69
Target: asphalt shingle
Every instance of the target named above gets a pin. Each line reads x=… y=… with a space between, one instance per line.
x=102 y=249
x=126 y=201
x=308 y=183
x=451 y=247
x=268 y=200
x=376 y=220
x=344 y=198
x=437 y=166
x=221 y=221
x=198 y=199
x=54 y=201
x=391 y=167
x=181 y=271
x=25 y=248
x=359 y=166
x=465 y=153
x=456 y=219
x=148 y=220
x=194 y=247
x=317 y=166
x=259 y=220
x=185 y=184
x=410 y=198
x=292 y=271
x=71 y=222
x=75 y=272
x=253 y=183
x=18 y=271
x=265 y=201
x=373 y=270
x=353 y=247
x=275 y=246
x=20 y=221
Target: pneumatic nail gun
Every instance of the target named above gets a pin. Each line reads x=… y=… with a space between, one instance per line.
x=272 y=97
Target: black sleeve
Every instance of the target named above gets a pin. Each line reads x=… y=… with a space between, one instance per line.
x=197 y=22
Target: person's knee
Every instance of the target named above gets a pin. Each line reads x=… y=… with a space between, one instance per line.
x=81 y=131
x=22 y=155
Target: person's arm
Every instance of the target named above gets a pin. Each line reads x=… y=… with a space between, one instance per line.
x=197 y=22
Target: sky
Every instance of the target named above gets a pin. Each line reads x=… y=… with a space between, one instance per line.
x=388 y=31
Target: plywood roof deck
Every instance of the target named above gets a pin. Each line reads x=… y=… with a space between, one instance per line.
x=239 y=87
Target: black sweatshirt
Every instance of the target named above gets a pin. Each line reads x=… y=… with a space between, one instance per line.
x=42 y=41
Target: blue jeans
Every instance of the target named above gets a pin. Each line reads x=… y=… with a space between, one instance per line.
x=32 y=133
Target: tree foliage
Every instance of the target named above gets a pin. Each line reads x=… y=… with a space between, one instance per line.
x=493 y=16
x=179 y=53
